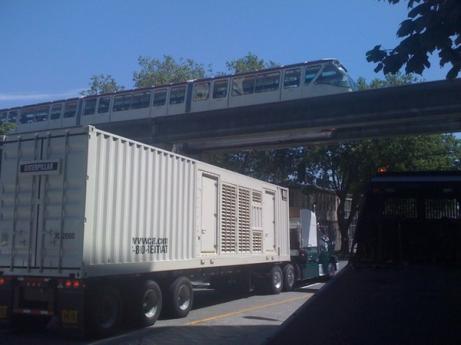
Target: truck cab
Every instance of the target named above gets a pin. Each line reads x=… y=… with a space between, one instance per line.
x=311 y=251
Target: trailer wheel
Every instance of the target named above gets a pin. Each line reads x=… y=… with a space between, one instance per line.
x=179 y=298
x=105 y=311
x=148 y=304
x=276 y=280
x=288 y=277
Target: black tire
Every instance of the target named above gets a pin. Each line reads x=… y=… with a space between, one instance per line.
x=275 y=280
x=289 y=277
x=105 y=311
x=179 y=298
x=146 y=304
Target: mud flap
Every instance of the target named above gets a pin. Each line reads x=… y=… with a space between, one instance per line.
x=6 y=303
x=70 y=310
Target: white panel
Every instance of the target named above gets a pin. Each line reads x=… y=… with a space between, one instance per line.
x=308 y=228
x=62 y=203
x=209 y=214
x=44 y=211
x=131 y=114
x=149 y=212
x=269 y=221
x=118 y=206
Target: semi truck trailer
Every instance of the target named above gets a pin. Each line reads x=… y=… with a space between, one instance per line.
x=97 y=230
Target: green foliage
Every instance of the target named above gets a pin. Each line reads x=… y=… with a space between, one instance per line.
x=248 y=63
x=391 y=79
x=101 y=83
x=154 y=71
x=431 y=26
x=347 y=167
x=5 y=128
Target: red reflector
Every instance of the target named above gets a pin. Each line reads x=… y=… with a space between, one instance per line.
x=68 y=283
x=2 y=281
x=76 y=284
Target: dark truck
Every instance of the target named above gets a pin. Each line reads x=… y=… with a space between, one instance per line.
x=402 y=284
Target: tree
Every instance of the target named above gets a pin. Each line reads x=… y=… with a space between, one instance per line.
x=158 y=72
x=248 y=63
x=391 y=79
x=5 y=128
x=346 y=168
x=432 y=25
x=101 y=83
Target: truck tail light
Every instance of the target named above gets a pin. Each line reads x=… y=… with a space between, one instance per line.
x=76 y=284
x=68 y=284
x=2 y=281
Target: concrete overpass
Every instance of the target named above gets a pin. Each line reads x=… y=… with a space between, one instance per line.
x=431 y=107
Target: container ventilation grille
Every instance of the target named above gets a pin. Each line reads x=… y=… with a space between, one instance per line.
x=244 y=221
x=257 y=241
x=257 y=197
x=228 y=218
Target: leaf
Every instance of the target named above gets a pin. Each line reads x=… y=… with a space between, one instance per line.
x=406 y=28
x=379 y=67
x=419 y=10
x=376 y=54
x=416 y=63
x=453 y=72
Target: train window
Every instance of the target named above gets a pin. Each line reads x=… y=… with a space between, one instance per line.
x=292 y=78
x=201 y=91
x=141 y=100
x=159 y=98
x=70 y=109
x=41 y=114
x=90 y=106
x=177 y=95
x=104 y=105
x=12 y=116
x=27 y=116
x=122 y=102
x=267 y=82
x=310 y=74
x=220 y=89
x=331 y=75
x=243 y=86
x=55 y=113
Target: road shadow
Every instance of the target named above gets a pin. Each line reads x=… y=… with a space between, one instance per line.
x=191 y=335
x=204 y=298
x=35 y=332
x=157 y=335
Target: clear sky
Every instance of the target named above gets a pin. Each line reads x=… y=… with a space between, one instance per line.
x=50 y=49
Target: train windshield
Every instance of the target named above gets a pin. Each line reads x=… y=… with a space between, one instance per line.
x=336 y=76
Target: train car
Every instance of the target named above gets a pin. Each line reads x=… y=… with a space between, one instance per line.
x=303 y=80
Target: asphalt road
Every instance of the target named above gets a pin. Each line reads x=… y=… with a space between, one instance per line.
x=215 y=319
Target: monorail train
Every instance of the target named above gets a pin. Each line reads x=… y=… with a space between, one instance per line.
x=303 y=80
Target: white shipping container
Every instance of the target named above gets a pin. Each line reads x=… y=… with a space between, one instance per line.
x=88 y=203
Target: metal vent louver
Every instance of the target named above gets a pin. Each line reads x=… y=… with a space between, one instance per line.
x=257 y=197
x=244 y=220
x=257 y=241
x=228 y=218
